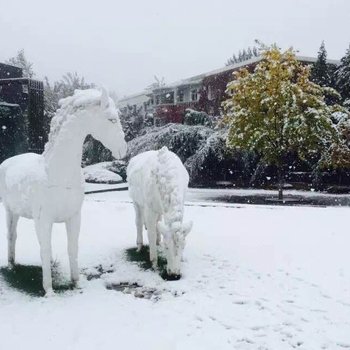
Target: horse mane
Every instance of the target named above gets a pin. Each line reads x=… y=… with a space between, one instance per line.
x=81 y=99
x=168 y=182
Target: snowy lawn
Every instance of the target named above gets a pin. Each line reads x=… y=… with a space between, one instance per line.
x=254 y=277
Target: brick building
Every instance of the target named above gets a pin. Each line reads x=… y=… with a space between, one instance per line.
x=203 y=92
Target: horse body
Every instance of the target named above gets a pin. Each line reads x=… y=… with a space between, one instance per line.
x=28 y=189
x=157 y=185
x=49 y=188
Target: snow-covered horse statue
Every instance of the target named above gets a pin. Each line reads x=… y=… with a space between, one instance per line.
x=49 y=188
x=157 y=185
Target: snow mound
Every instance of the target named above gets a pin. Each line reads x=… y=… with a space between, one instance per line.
x=98 y=173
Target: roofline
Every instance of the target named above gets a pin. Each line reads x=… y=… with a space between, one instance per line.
x=197 y=79
x=143 y=93
x=23 y=79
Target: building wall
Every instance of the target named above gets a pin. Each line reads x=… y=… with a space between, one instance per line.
x=28 y=94
x=169 y=107
x=7 y=71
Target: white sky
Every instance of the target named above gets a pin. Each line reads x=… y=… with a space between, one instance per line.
x=123 y=44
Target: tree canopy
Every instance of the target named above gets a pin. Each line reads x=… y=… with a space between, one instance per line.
x=21 y=61
x=277 y=110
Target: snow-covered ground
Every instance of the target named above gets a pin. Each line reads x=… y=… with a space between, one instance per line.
x=254 y=277
x=233 y=195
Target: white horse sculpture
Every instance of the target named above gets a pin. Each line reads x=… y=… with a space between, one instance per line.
x=49 y=188
x=157 y=185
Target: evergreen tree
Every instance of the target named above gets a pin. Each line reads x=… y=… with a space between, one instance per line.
x=337 y=154
x=323 y=74
x=243 y=55
x=277 y=111
x=21 y=61
x=343 y=76
x=319 y=71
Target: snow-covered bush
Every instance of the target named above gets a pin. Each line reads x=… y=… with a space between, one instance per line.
x=99 y=173
x=118 y=167
x=133 y=121
x=183 y=140
x=193 y=117
x=202 y=150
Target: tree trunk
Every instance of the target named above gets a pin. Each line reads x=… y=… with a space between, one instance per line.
x=280 y=176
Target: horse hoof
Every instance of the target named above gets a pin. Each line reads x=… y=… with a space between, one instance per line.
x=76 y=284
x=11 y=265
x=139 y=248
x=49 y=293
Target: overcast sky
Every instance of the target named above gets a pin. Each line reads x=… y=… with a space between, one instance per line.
x=123 y=44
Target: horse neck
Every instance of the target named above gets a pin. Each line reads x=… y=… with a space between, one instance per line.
x=174 y=207
x=63 y=159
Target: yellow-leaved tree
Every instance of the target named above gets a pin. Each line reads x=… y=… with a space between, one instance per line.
x=277 y=110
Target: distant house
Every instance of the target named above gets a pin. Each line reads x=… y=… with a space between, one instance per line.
x=203 y=92
x=27 y=96
x=137 y=102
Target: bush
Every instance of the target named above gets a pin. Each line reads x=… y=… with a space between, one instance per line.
x=202 y=150
x=193 y=117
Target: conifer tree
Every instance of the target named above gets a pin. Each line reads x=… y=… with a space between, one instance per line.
x=342 y=75
x=319 y=71
x=243 y=55
x=323 y=74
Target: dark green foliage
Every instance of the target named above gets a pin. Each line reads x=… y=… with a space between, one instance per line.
x=142 y=259
x=28 y=279
x=342 y=76
x=95 y=152
x=13 y=131
x=243 y=55
x=132 y=120
x=320 y=73
x=323 y=74
x=118 y=167
x=193 y=117
x=202 y=150
x=181 y=139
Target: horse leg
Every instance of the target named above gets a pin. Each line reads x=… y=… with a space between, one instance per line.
x=158 y=234
x=152 y=240
x=139 y=226
x=12 y=221
x=43 y=229
x=73 y=229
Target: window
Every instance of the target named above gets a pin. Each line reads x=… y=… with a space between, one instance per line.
x=167 y=98
x=25 y=88
x=211 y=94
x=180 y=96
x=194 y=95
x=157 y=100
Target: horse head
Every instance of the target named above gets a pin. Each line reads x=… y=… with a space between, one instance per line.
x=174 y=236
x=104 y=125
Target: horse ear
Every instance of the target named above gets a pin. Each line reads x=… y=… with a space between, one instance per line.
x=104 y=98
x=162 y=228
